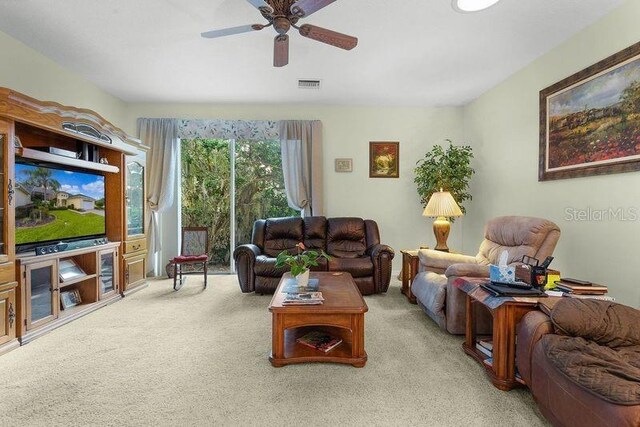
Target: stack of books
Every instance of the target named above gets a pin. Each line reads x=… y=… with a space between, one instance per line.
x=584 y=290
x=305 y=298
x=485 y=347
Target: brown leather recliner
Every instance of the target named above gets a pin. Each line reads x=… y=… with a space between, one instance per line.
x=582 y=363
x=353 y=244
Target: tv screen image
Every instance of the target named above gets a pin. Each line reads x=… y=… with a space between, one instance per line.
x=54 y=204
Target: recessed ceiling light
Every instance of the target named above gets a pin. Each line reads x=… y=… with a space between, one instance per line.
x=466 y=6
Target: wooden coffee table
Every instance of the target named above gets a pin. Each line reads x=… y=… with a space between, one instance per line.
x=341 y=315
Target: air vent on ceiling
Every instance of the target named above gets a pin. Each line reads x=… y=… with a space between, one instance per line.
x=308 y=84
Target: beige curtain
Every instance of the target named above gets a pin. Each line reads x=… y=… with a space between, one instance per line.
x=162 y=136
x=301 y=145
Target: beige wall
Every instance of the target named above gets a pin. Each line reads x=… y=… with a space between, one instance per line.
x=27 y=71
x=503 y=127
x=393 y=203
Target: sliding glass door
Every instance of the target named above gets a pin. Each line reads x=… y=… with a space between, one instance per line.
x=226 y=186
x=259 y=186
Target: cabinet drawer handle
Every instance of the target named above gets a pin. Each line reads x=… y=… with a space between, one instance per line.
x=136 y=247
x=12 y=315
x=10 y=192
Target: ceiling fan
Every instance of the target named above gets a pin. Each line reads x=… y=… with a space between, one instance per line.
x=284 y=14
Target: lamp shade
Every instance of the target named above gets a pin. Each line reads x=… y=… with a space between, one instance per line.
x=442 y=204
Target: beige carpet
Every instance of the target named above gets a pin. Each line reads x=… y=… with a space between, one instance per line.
x=161 y=357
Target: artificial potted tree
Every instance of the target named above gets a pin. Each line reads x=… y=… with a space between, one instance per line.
x=447 y=169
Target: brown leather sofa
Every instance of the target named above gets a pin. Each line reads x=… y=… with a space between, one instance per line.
x=353 y=244
x=582 y=363
x=434 y=287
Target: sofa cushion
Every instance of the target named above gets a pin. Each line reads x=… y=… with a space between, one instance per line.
x=606 y=323
x=358 y=267
x=282 y=234
x=519 y=235
x=346 y=237
x=596 y=368
x=565 y=403
x=315 y=233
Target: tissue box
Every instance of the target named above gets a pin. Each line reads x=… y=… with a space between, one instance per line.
x=502 y=274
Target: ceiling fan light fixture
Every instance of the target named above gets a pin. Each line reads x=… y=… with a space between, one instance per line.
x=469 y=6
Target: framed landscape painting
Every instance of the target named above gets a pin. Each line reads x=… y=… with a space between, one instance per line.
x=590 y=122
x=384 y=159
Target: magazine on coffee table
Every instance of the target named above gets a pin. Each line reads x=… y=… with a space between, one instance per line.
x=308 y=298
x=320 y=341
x=291 y=286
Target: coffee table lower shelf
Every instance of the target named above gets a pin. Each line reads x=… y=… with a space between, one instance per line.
x=294 y=352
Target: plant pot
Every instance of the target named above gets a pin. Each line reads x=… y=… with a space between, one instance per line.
x=303 y=279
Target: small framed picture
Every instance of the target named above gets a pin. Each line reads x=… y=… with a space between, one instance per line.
x=70 y=299
x=344 y=165
x=384 y=160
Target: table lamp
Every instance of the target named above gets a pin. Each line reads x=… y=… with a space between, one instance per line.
x=442 y=206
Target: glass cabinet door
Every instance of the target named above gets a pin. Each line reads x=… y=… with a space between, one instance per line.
x=135 y=199
x=107 y=273
x=43 y=301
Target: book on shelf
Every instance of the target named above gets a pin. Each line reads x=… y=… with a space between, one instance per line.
x=484 y=350
x=485 y=346
x=320 y=341
x=559 y=293
x=579 y=292
x=68 y=270
x=291 y=286
x=576 y=288
x=307 y=298
x=598 y=297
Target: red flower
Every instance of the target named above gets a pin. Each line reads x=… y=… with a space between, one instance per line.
x=301 y=246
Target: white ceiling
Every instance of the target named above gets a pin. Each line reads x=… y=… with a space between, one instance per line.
x=410 y=52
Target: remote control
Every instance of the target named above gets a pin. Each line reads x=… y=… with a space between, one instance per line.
x=576 y=281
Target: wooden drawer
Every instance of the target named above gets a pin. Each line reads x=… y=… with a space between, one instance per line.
x=134 y=271
x=8 y=316
x=135 y=246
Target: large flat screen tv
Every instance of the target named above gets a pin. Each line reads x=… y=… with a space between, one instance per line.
x=54 y=205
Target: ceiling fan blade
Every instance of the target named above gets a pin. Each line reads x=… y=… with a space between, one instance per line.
x=333 y=38
x=303 y=8
x=231 y=31
x=261 y=5
x=281 y=50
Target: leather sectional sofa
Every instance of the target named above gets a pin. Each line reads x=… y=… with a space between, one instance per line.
x=353 y=244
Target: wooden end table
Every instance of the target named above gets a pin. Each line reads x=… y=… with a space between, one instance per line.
x=341 y=315
x=506 y=313
x=410 y=265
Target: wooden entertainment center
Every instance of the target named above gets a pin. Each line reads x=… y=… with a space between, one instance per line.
x=55 y=284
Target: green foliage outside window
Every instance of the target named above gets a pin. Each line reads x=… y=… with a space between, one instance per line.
x=206 y=189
